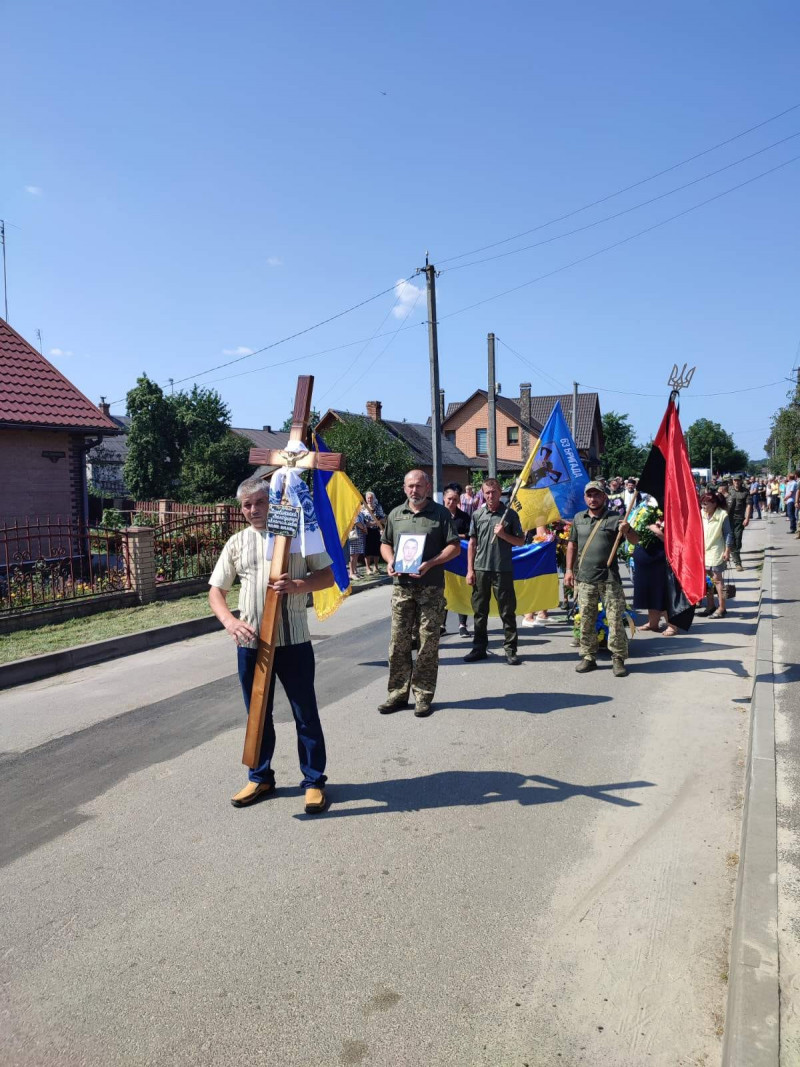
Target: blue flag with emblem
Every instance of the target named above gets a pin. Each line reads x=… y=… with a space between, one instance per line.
x=552 y=481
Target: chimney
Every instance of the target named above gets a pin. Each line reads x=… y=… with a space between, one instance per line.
x=267 y=428
x=374 y=410
x=441 y=404
x=105 y=407
x=525 y=401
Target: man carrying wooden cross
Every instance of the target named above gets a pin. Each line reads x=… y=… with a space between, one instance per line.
x=279 y=560
x=245 y=556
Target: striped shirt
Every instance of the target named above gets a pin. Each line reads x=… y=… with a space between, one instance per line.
x=244 y=557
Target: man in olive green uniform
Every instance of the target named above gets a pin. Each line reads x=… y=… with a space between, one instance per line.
x=418 y=603
x=740 y=508
x=591 y=541
x=493 y=531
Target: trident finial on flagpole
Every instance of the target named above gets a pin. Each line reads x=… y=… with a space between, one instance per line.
x=679 y=379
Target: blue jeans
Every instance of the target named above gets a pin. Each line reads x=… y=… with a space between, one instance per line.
x=792 y=517
x=294 y=665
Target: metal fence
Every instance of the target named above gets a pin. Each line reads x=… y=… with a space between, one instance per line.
x=46 y=563
x=189 y=547
x=173 y=510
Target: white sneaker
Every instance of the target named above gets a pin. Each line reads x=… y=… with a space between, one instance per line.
x=528 y=624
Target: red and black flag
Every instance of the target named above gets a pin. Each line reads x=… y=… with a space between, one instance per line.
x=667 y=476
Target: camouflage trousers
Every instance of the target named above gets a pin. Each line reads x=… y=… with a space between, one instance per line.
x=415 y=610
x=613 y=598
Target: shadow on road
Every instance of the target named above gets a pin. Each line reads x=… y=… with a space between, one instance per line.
x=670 y=666
x=532 y=703
x=452 y=789
x=43 y=790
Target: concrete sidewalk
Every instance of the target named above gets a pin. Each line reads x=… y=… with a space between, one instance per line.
x=763 y=1019
x=785 y=610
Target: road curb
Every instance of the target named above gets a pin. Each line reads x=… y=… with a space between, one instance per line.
x=35 y=668
x=752 y=1022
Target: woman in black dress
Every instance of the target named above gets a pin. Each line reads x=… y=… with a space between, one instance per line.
x=650 y=590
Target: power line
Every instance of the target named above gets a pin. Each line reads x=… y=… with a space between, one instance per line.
x=690 y=396
x=527 y=362
x=385 y=347
x=566 y=266
x=310 y=355
x=626 y=189
x=283 y=340
x=625 y=211
x=363 y=350
x=623 y=241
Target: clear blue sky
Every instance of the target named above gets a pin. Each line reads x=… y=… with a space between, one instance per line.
x=187 y=182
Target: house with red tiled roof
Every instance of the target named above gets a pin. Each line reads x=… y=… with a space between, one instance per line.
x=417 y=436
x=519 y=422
x=47 y=426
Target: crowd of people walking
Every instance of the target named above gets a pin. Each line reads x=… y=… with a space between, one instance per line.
x=416 y=539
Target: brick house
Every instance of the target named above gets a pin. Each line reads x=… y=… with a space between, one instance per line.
x=519 y=423
x=455 y=465
x=46 y=428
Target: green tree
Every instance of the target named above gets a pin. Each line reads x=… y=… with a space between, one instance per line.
x=375 y=459
x=209 y=462
x=152 y=462
x=313 y=419
x=703 y=436
x=181 y=445
x=212 y=472
x=783 y=444
x=201 y=418
x=621 y=454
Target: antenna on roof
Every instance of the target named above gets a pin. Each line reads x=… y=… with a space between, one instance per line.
x=39 y=335
x=5 y=283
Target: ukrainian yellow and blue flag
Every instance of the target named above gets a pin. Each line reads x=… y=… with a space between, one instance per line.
x=535 y=580
x=337 y=503
x=552 y=482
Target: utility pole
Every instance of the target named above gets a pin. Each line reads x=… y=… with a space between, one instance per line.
x=492 y=430
x=575 y=412
x=5 y=283
x=711 y=463
x=433 y=351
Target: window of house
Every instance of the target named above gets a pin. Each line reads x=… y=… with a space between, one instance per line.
x=481 y=445
x=450 y=435
x=512 y=435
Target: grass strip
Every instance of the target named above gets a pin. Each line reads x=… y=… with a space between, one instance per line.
x=114 y=623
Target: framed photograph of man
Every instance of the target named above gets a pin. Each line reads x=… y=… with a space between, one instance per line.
x=408 y=557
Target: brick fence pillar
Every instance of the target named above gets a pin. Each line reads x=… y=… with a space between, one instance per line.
x=164 y=509
x=140 y=561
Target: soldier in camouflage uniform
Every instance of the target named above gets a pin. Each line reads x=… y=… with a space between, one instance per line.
x=417 y=599
x=591 y=541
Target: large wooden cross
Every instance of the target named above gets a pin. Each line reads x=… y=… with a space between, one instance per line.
x=265 y=659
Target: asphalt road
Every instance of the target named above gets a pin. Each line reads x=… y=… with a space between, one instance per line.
x=540 y=873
